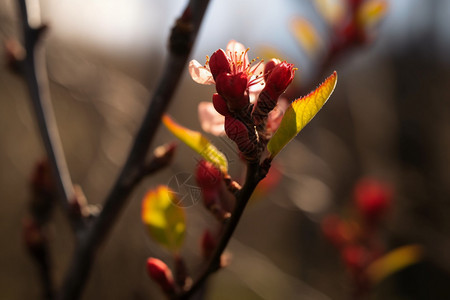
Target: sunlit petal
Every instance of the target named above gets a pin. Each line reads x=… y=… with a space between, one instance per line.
x=276 y=115
x=210 y=120
x=200 y=73
x=239 y=49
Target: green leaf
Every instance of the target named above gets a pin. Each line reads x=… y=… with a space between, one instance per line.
x=299 y=113
x=198 y=143
x=165 y=221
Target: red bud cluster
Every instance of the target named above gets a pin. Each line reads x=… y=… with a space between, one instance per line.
x=358 y=242
x=350 y=31
x=238 y=83
x=231 y=85
x=372 y=199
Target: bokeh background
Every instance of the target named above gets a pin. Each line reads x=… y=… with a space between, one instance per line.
x=389 y=119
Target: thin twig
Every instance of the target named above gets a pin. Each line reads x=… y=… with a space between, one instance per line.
x=35 y=73
x=181 y=41
x=255 y=173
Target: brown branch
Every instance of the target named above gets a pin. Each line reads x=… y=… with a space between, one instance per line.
x=33 y=66
x=255 y=173
x=181 y=41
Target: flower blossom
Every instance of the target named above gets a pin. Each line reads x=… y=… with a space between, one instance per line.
x=239 y=82
x=247 y=93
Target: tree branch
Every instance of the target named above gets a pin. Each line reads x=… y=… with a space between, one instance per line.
x=255 y=173
x=180 y=44
x=33 y=66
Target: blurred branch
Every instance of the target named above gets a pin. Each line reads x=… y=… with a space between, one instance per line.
x=181 y=41
x=35 y=73
x=255 y=173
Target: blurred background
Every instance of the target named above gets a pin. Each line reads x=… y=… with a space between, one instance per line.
x=388 y=120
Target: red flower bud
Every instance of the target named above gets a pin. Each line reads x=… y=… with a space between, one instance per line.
x=207 y=175
x=339 y=232
x=232 y=87
x=32 y=234
x=161 y=274
x=238 y=132
x=372 y=198
x=211 y=199
x=269 y=67
x=280 y=77
x=220 y=105
x=219 y=63
x=355 y=257
x=213 y=202
x=208 y=244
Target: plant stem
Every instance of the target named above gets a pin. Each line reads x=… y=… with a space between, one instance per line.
x=35 y=73
x=255 y=173
x=181 y=41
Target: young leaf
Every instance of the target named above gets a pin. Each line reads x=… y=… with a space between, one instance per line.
x=371 y=12
x=299 y=113
x=198 y=143
x=165 y=221
x=332 y=11
x=306 y=35
x=394 y=261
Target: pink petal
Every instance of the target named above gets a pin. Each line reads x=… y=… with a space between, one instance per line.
x=254 y=90
x=276 y=115
x=238 y=48
x=199 y=73
x=210 y=120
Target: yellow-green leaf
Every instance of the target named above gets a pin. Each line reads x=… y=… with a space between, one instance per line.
x=198 y=143
x=306 y=35
x=165 y=221
x=299 y=113
x=371 y=12
x=331 y=10
x=394 y=261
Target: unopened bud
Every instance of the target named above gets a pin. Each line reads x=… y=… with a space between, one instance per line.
x=339 y=232
x=219 y=63
x=232 y=88
x=161 y=274
x=354 y=257
x=208 y=244
x=162 y=156
x=220 y=105
x=279 y=78
x=207 y=175
x=372 y=199
x=269 y=67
